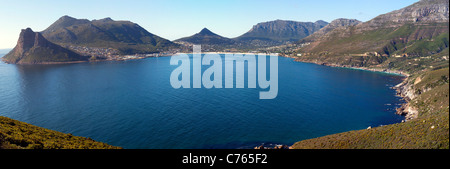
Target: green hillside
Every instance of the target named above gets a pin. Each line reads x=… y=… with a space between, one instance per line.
x=430 y=130
x=414 y=40
x=19 y=135
x=125 y=36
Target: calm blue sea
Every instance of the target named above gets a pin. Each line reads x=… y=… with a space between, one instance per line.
x=132 y=104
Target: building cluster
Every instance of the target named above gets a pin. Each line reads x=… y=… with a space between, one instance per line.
x=94 y=51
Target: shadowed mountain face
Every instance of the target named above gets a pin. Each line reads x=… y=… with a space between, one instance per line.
x=206 y=37
x=33 y=48
x=125 y=36
x=420 y=29
x=282 y=31
x=265 y=34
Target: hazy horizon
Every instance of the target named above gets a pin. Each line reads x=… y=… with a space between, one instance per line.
x=176 y=19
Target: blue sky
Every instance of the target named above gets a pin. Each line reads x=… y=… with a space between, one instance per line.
x=173 y=19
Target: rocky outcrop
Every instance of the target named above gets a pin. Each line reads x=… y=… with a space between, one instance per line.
x=33 y=48
x=340 y=23
x=407 y=92
x=424 y=11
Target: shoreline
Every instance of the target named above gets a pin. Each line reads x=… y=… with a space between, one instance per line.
x=387 y=71
x=402 y=88
x=87 y=61
x=405 y=110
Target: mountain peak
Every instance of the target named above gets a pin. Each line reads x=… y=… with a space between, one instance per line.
x=26 y=39
x=107 y=19
x=321 y=22
x=206 y=37
x=340 y=23
x=65 y=17
x=27 y=30
x=206 y=31
x=344 y=22
x=65 y=21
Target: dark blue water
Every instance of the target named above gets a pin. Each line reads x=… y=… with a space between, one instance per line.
x=132 y=104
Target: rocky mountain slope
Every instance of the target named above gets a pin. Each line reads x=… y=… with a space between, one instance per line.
x=33 y=48
x=125 y=36
x=413 y=40
x=281 y=30
x=399 y=33
x=340 y=23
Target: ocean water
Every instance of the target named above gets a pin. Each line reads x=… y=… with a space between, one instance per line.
x=133 y=105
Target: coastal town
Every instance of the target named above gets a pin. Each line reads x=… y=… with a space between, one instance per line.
x=111 y=54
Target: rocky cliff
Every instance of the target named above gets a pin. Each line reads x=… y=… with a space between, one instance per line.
x=33 y=48
x=418 y=30
x=340 y=23
x=280 y=31
x=424 y=11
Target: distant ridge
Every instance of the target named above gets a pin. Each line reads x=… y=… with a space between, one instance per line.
x=33 y=48
x=282 y=31
x=206 y=37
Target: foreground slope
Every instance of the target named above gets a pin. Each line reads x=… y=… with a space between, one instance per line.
x=19 y=135
x=413 y=40
x=429 y=130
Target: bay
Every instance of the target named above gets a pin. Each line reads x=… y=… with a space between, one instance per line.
x=132 y=104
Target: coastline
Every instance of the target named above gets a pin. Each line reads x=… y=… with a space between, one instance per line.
x=388 y=71
x=125 y=58
x=403 y=88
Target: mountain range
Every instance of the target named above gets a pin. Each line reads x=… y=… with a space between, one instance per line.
x=417 y=30
x=87 y=38
x=125 y=36
x=264 y=34
x=413 y=41
x=282 y=30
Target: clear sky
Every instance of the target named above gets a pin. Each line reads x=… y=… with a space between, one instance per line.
x=173 y=19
